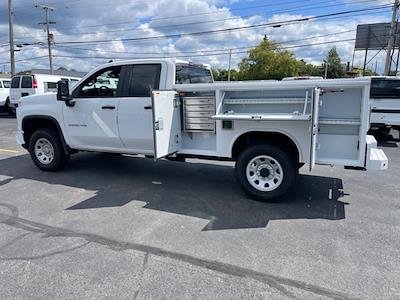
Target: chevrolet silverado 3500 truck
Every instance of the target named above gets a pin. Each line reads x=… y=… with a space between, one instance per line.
x=162 y=109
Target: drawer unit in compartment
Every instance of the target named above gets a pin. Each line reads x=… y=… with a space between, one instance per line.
x=200 y=107
x=199 y=101
x=200 y=120
x=197 y=112
x=199 y=127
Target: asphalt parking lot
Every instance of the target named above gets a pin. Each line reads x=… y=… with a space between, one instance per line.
x=127 y=227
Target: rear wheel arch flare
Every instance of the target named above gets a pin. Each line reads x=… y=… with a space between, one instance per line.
x=275 y=138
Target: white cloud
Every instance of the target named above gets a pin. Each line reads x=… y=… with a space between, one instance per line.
x=153 y=18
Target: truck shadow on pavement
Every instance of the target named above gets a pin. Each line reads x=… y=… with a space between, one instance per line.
x=199 y=190
x=389 y=140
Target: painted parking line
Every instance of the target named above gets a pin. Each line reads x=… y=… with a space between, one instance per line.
x=9 y=151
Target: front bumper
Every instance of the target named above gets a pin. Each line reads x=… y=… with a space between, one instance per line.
x=20 y=137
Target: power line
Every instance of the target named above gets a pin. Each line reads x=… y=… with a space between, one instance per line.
x=210 y=21
x=182 y=56
x=296 y=8
x=268 y=24
x=202 y=55
x=205 y=51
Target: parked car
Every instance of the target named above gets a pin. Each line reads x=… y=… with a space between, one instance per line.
x=5 y=94
x=35 y=84
x=270 y=129
x=385 y=103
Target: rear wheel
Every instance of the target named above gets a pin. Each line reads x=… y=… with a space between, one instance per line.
x=47 y=151
x=266 y=172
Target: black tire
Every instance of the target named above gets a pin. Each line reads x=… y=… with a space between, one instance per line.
x=60 y=159
x=8 y=108
x=288 y=166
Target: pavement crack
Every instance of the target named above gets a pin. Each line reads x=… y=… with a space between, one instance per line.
x=10 y=243
x=228 y=269
x=28 y=258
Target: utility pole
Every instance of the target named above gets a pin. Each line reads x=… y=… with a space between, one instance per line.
x=326 y=69
x=47 y=29
x=392 y=34
x=230 y=61
x=11 y=34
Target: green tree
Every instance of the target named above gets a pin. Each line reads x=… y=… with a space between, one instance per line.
x=306 y=69
x=222 y=75
x=335 y=69
x=267 y=61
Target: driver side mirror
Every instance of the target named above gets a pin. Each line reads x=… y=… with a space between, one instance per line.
x=63 y=92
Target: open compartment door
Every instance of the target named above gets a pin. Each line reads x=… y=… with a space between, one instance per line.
x=166 y=123
x=314 y=126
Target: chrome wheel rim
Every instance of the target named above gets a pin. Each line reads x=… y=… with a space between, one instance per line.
x=264 y=173
x=44 y=151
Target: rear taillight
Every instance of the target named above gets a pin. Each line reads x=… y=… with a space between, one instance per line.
x=34 y=83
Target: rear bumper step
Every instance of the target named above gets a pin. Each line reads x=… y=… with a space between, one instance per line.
x=376 y=159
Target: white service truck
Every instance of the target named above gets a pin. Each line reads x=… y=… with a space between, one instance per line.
x=164 y=109
x=385 y=103
x=24 y=85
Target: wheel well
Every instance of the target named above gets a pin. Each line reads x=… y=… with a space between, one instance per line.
x=274 y=138
x=30 y=125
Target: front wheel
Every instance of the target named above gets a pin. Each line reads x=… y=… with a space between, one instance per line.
x=266 y=172
x=47 y=151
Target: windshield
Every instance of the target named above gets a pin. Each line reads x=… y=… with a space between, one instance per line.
x=192 y=74
x=385 y=88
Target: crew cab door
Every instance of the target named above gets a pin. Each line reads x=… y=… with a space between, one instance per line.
x=91 y=123
x=166 y=123
x=314 y=126
x=135 y=117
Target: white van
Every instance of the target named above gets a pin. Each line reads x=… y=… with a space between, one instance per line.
x=35 y=84
x=4 y=93
x=385 y=103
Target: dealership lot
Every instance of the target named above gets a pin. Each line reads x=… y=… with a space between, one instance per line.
x=119 y=226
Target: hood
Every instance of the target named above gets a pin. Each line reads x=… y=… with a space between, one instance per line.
x=38 y=99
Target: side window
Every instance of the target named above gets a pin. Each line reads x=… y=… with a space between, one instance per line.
x=15 y=82
x=50 y=86
x=1 y=84
x=192 y=74
x=385 y=88
x=27 y=82
x=102 y=84
x=141 y=80
x=7 y=84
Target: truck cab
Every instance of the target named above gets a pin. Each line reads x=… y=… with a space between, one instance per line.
x=385 y=103
x=172 y=109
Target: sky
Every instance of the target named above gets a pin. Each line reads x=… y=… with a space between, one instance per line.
x=89 y=33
